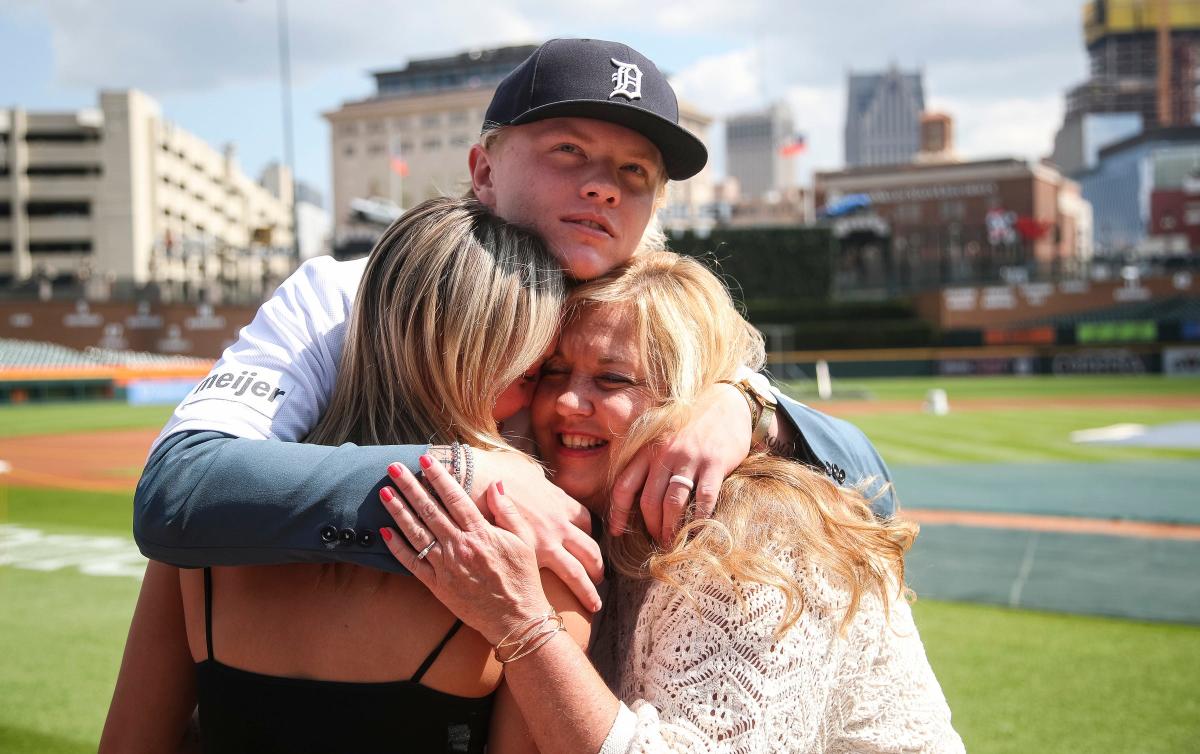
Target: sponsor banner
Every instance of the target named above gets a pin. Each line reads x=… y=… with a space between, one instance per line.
x=1039 y=336
x=1099 y=361
x=1131 y=331
x=990 y=366
x=1181 y=361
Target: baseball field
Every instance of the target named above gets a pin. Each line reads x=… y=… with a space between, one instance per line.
x=1058 y=580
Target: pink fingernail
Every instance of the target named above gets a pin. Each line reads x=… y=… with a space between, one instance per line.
x=500 y=486
x=386 y=534
x=387 y=494
x=394 y=469
x=426 y=462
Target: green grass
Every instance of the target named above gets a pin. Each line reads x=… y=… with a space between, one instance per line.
x=1034 y=682
x=1040 y=386
x=63 y=635
x=68 y=511
x=1040 y=432
x=59 y=418
x=1012 y=436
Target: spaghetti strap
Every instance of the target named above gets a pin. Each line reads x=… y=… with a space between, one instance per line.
x=432 y=655
x=208 y=611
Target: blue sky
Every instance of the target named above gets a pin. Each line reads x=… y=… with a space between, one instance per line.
x=999 y=68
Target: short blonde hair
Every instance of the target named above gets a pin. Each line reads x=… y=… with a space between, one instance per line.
x=690 y=336
x=455 y=305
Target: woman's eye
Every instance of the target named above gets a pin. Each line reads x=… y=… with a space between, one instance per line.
x=616 y=379
x=636 y=170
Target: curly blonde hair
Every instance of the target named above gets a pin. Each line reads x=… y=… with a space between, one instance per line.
x=691 y=335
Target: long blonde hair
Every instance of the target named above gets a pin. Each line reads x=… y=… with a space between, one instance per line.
x=455 y=304
x=690 y=336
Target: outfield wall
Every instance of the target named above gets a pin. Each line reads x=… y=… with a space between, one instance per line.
x=1179 y=359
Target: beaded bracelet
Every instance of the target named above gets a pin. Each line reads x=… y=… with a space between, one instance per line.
x=455 y=460
x=469 y=475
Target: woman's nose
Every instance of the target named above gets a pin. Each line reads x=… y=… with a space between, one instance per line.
x=572 y=401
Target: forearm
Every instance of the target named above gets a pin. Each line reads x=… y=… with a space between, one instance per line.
x=156 y=689
x=781 y=436
x=562 y=698
x=209 y=499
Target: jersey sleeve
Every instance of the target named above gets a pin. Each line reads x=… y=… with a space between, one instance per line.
x=214 y=493
x=841 y=451
x=276 y=379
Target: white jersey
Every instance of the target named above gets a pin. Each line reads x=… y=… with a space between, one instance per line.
x=275 y=381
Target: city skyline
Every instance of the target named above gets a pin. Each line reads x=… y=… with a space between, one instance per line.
x=1000 y=71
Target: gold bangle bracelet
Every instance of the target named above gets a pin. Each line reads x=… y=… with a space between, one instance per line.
x=526 y=629
x=530 y=645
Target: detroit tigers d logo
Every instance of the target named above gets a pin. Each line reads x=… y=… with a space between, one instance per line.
x=627 y=81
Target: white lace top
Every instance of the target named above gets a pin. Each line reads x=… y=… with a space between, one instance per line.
x=710 y=677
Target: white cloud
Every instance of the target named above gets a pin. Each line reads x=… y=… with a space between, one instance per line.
x=721 y=85
x=205 y=44
x=1015 y=126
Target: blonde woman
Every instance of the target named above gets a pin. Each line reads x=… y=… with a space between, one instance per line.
x=780 y=625
x=459 y=308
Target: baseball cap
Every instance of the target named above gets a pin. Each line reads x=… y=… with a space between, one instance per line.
x=609 y=81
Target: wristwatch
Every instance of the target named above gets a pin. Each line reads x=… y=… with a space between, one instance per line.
x=756 y=389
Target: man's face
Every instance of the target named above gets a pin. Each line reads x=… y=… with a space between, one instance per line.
x=587 y=187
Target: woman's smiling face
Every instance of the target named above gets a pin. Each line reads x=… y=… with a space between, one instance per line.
x=592 y=390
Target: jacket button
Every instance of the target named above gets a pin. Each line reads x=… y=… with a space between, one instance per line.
x=365 y=539
x=329 y=533
x=347 y=536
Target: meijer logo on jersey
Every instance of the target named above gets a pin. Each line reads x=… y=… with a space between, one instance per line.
x=258 y=388
x=239 y=385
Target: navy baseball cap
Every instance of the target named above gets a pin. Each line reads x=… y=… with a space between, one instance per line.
x=591 y=78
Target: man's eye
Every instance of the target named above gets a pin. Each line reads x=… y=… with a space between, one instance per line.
x=569 y=148
x=636 y=169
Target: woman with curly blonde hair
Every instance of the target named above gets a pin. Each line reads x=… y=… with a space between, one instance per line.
x=781 y=624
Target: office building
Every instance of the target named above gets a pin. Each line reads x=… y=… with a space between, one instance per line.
x=1146 y=193
x=117 y=197
x=753 y=151
x=1123 y=92
x=883 y=117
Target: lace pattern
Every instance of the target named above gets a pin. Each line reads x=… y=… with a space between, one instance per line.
x=709 y=675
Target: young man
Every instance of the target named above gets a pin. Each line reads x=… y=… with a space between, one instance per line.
x=578 y=143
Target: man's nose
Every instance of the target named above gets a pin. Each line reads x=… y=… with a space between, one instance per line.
x=602 y=185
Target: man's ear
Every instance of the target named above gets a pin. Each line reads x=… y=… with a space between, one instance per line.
x=480 y=164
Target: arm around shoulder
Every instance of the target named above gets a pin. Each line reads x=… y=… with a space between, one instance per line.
x=206 y=498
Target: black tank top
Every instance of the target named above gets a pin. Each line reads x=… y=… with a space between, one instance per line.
x=241 y=711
